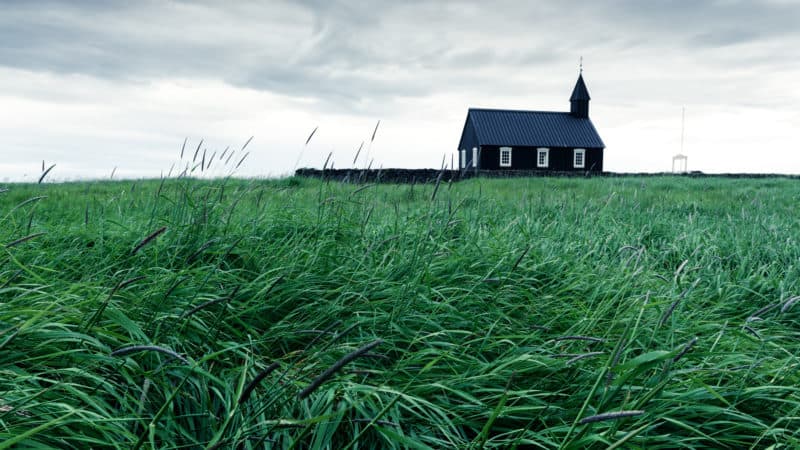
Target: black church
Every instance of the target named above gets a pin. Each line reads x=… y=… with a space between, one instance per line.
x=499 y=139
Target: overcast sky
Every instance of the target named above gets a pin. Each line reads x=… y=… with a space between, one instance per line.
x=94 y=85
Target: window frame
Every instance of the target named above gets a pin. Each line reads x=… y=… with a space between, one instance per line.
x=575 y=153
x=463 y=161
x=505 y=150
x=542 y=151
x=474 y=156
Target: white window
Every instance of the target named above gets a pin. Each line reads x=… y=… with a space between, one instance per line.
x=474 y=156
x=463 y=158
x=505 y=156
x=542 y=157
x=579 y=158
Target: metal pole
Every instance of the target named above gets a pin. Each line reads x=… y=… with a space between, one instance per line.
x=683 y=121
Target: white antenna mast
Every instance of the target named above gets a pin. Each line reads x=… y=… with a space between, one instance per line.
x=681 y=158
x=683 y=120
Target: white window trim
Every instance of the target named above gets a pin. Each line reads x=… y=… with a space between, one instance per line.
x=546 y=152
x=505 y=149
x=575 y=153
x=463 y=162
x=474 y=156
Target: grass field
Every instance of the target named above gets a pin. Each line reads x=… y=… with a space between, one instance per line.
x=572 y=313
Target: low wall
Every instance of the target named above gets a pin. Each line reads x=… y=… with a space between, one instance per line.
x=381 y=175
x=430 y=175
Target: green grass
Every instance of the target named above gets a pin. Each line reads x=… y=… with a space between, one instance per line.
x=475 y=307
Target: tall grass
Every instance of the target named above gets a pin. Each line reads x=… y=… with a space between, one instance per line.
x=521 y=313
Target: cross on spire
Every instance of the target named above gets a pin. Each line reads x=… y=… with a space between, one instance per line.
x=581 y=66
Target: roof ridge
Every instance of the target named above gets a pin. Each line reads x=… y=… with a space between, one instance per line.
x=519 y=110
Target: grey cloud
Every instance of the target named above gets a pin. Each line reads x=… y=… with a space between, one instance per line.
x=722 y=38
x=347 y=55
x=710 y=23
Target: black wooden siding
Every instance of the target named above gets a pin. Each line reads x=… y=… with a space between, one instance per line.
x=524 y=158
x=469 y=140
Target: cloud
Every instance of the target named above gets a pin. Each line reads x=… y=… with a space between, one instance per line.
x=345 y=53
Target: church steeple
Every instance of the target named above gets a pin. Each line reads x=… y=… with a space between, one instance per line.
x=579 y=101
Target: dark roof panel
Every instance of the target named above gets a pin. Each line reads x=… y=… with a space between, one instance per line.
x=580 y=92
x=533 y=128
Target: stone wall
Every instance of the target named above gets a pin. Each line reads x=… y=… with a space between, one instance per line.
x=430 y=175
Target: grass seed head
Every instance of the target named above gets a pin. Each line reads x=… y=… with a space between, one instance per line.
x=336 y=367
x=148 y=239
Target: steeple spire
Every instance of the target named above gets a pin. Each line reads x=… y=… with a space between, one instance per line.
x=579 y=101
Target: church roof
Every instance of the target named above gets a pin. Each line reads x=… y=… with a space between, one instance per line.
x=532 y=128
